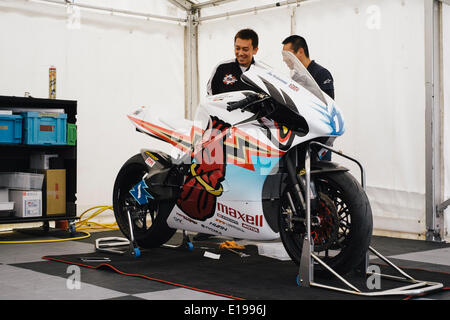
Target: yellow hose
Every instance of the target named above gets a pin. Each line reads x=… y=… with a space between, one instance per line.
x=87 y=235
x=79 y=226
x=87 y=224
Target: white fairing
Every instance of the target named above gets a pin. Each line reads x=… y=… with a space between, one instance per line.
x=302 y=92
x=257 y=146
x=239 y=211
x=236 y=219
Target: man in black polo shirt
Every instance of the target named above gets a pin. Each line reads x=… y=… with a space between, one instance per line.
x=226 y=76
x=298 y=46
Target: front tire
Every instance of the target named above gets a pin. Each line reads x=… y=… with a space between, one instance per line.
x=343 y=236
x=149 y=220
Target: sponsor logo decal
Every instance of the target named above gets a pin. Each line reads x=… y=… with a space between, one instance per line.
x=186 y=218
x=229 y=79
x=150 y=162
x=140 y=194
x=241 y=217
x=177 y=220
x=227 y=219
x=211 y=229
x=151 y=155
x=139 y=111
x=218 y=226
x=249 y=227
x=276 y=77
x=230 y=222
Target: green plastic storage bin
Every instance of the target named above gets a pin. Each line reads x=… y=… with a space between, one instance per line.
x=71 y=134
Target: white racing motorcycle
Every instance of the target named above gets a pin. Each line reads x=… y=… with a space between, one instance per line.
x=239 y=172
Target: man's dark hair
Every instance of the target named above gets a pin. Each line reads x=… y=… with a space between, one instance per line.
x=247 y=34
x=297 y=42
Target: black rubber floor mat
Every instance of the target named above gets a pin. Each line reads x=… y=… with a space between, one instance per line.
x=254 y=277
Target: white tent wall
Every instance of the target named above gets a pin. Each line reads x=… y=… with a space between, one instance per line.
x=375 y=51
x=110 y=65
x=446 y=116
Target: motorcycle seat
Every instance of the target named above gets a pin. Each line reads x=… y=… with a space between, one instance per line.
x=179 y=125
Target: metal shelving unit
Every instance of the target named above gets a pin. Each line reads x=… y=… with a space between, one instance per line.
x=16 y=157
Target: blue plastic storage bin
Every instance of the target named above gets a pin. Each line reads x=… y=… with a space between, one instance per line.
x=10 y=129
x=44 y=128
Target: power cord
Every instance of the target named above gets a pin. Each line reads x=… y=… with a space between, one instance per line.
x=80 y=226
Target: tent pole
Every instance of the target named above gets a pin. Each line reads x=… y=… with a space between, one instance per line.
x=433 y=120
x=191 y=64
x=294 y=20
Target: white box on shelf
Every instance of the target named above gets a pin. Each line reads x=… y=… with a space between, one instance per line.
x=21 y=180
x=6 y=206
x=27 y=203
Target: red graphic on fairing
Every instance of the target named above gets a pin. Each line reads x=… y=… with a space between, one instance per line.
x=203 y=183
x=240 y=147
x=283 y=133
x=211 y=150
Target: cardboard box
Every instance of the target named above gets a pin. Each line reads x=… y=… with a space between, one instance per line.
x=27 y=203
x=55 y=191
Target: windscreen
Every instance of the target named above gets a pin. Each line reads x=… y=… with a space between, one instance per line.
x=301 y=75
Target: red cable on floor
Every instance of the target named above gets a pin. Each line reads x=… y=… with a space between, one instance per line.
x=146 y=277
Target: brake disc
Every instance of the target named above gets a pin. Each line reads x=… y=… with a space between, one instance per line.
x=325 y=231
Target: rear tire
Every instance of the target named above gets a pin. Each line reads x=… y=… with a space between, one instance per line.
x=150 y=220
x=348 y=206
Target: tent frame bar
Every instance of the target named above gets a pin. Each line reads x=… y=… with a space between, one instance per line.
x=253 y=9
x=112 y=10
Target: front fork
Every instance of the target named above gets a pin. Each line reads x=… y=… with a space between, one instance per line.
x=296 y=194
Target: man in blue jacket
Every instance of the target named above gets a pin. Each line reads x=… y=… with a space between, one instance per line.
x=298 y=46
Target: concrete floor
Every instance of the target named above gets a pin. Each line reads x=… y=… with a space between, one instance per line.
x=20 y=281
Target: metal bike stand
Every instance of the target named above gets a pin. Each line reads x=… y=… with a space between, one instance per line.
x=305 y=276
x=111 y=245
x=107 y=244
x=186 y=243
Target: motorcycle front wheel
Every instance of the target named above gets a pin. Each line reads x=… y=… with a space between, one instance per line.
x=343 y=224
x=150 y=228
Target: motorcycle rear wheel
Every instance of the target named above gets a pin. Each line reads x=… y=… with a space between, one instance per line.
x=150 y=228
x=343 y=201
